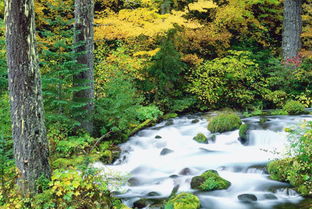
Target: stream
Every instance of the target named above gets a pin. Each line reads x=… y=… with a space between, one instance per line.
x=160 y=157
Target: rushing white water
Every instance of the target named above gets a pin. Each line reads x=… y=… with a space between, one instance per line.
x=157 y=164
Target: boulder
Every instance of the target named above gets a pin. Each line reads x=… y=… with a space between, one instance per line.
x=185 y=171
x=195 y=121
x=158 y=137
x=201 y=138
x=165 y=151
x=209 y=181
x=247 y=197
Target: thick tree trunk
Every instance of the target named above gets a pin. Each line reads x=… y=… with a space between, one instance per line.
x=29 y=133
x=292 y=28
x=84 y=16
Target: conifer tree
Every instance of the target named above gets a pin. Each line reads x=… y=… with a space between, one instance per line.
x=84 y=18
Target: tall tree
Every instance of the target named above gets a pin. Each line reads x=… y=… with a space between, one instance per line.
x=84 y=18
x=292 y=28
x=28 y=128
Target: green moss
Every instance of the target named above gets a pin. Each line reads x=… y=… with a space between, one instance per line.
x=208 y=181
x=293 y=107
x=169 y=115
x=224 y=122
x=200 y=137
x=183 y=201
x=243 y=131
x=278 y=169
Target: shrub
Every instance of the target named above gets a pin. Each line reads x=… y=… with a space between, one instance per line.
x=151 y=112
x=278 y=169
x=200 y=137
x=231 y=81
x=208 y=181
x=118 y=109
x=74 y=189
x=296 y=169
x=293 y=107
x=183 y=201
x=278 y=112
x=224 y=122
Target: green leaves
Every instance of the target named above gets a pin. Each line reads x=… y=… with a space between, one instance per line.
x=232 y=80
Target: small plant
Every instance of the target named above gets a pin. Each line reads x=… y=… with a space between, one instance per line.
x=183 y=201
x=224 y=122
x=293 y=107
x=200 y=137
x=74 y=189
x=278 y=112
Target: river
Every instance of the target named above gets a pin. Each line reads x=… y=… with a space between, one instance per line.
x=160 y=157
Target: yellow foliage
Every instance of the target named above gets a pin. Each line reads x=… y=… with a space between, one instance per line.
x=147 y=53
x=202 y=5
x=207 y=40
x=118 y=60
x=129 y=23
x=307 y=30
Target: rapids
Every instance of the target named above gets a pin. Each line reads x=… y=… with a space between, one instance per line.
x=160 y=157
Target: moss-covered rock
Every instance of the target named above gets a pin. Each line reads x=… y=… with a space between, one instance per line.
x=291 y=170
x=293 y=107
x=201 y=138
x=279 y=169
x=208 y=181
x=224 y=122
x=243 y=129
x=183 y=201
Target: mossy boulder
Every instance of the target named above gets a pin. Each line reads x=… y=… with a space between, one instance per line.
x=183 y=201
x=279 y=169
x=224 y=122
x=243 y=129
x=209 y=181
x=293 y=107
x=201 y=138
x=293 y=171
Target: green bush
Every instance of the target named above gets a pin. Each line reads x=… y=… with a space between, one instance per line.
x=150 y=112
x=293 y=107
x=200 y=137
x=208 y=181
x=278 y=112
x=183 y=201
x=224 y=122
x=296 y=169
x=229 y=81
x=121 y=107
x=74 y=189
x=278 y=169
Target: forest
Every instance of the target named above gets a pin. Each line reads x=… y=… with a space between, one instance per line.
x=80 y=80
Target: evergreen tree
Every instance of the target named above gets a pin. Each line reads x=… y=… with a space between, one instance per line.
x=84 y=18
x=166 y=70
x=59 y=66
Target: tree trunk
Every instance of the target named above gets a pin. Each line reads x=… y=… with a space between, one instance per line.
x=28 y=129
x=292 y=28
x=84 y=16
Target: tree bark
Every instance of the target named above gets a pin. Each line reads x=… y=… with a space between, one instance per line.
x=84 y=17
x=292 y=28
x=27 y=114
